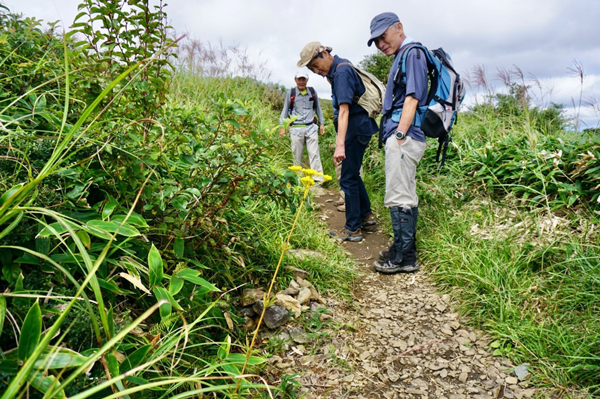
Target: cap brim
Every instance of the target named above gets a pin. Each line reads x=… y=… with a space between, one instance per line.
x=376 y=34
x=302 y=64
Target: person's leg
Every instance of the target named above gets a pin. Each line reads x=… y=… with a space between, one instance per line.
x=312 y=147
x=365 y=202
x=352 y=184
x=297 y=144
x=401 y=197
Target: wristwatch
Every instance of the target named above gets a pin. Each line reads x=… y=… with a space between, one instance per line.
x=400 y=135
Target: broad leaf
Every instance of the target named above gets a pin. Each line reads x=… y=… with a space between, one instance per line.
x=30 y=332
x=175 y=285
x=178 y=247
x=112 y=227
x=192 y=276
x=155 y=266
x=135 y=359
x=9 y=367
x=43 y=384
x=59 y=359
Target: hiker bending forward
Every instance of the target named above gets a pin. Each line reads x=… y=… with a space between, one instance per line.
x=355 y=129
x=404 y=143
x=302 y=102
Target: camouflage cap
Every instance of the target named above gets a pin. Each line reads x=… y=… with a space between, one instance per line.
x=310 y=51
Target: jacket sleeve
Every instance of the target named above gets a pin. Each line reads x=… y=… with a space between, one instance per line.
x=286 y=108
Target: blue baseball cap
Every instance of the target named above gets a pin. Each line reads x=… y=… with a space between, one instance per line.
x=380 y=23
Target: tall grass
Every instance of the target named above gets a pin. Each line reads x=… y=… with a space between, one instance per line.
x=507 y=227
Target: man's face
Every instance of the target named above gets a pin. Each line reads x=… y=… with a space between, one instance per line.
x=320 y=66
x=301 y=83
x=390 y=41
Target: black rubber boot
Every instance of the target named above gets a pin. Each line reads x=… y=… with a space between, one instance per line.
x=402 y=255
x=410 y=256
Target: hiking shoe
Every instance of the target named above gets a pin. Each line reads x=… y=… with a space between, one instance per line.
x=385 y=255
x=341 y=208
x=389 y=267
x=339 y=202
x=345 y=235
x=368 y=221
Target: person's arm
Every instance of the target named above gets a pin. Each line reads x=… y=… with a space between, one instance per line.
x=340 y=150
x=408 y=114
x=320 y=115
x=284 y=113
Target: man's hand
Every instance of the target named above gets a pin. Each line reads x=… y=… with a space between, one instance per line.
x=322 y=130
x=340 y=154
x=282 y=132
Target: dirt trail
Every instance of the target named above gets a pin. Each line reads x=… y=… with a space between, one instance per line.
x=399 y=339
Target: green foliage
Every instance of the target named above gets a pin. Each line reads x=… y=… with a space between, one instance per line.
x=113 y=34
x=377 y=64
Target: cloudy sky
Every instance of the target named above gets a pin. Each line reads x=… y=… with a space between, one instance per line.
x=541 y=37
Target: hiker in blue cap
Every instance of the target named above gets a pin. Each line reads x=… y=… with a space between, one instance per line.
x=404 y=142
x=355 y=130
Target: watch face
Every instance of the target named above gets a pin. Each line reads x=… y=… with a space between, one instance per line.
x=400 y=135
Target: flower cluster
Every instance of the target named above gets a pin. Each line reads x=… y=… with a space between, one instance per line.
x=307 y=176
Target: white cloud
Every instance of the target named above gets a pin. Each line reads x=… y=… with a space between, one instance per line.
x=542 y=37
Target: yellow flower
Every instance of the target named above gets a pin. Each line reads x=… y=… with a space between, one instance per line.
x=326 y=178
x=307 y=182
x=295 y=168
x=309 y=172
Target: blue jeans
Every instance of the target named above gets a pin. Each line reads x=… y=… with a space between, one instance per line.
x=358 y=205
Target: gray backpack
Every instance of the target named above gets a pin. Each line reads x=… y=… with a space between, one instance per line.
x=372 y=98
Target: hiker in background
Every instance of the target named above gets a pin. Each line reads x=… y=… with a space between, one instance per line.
x=355 y=130
x=404 y=143
x=303 y=102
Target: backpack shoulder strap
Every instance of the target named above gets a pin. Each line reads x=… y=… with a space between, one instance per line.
x=401 y=71
x=292 y=98
x=313 y=94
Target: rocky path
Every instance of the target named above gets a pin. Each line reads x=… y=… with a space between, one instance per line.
x=398 y=339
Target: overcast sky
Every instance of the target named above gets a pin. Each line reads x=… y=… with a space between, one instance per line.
x=541 y=37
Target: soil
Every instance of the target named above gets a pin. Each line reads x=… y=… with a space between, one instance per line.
x=398 y=338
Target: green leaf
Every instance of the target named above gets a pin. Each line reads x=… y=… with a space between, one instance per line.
x=43 y=384
x=111 y=322
x=134 y=219
x=84 y=237
x=178 y=247
x=113 y=364
x=112 y=227
x=2 y=311
x=166 y=308
x=30 y=332
x=192 y=276
x=135 y=359
x=109 y=207
x=112 y=287
x=155 y=266
x=224 y=349
x=8 y=367
x=59 y=358
x=6 y=196
x=175 y=285
x=56 y=228
x=240 y=358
